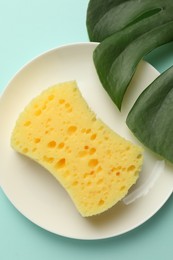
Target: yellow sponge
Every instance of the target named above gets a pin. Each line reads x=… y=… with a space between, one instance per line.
x=95 y=165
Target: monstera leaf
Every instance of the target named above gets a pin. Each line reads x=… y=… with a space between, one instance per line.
x=151 y=117
x=127 y=30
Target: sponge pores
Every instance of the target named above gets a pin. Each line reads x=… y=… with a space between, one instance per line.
x=95 y=165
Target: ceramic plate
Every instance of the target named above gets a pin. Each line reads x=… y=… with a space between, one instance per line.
x=31 y=189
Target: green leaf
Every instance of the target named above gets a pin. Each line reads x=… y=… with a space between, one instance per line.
x=151 y=117
x=117 y=57
x=128 y=30
x=107 y=17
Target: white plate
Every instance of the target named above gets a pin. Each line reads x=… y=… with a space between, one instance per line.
x=31 y=189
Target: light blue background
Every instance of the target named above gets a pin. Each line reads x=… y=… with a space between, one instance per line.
x=28 y=28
